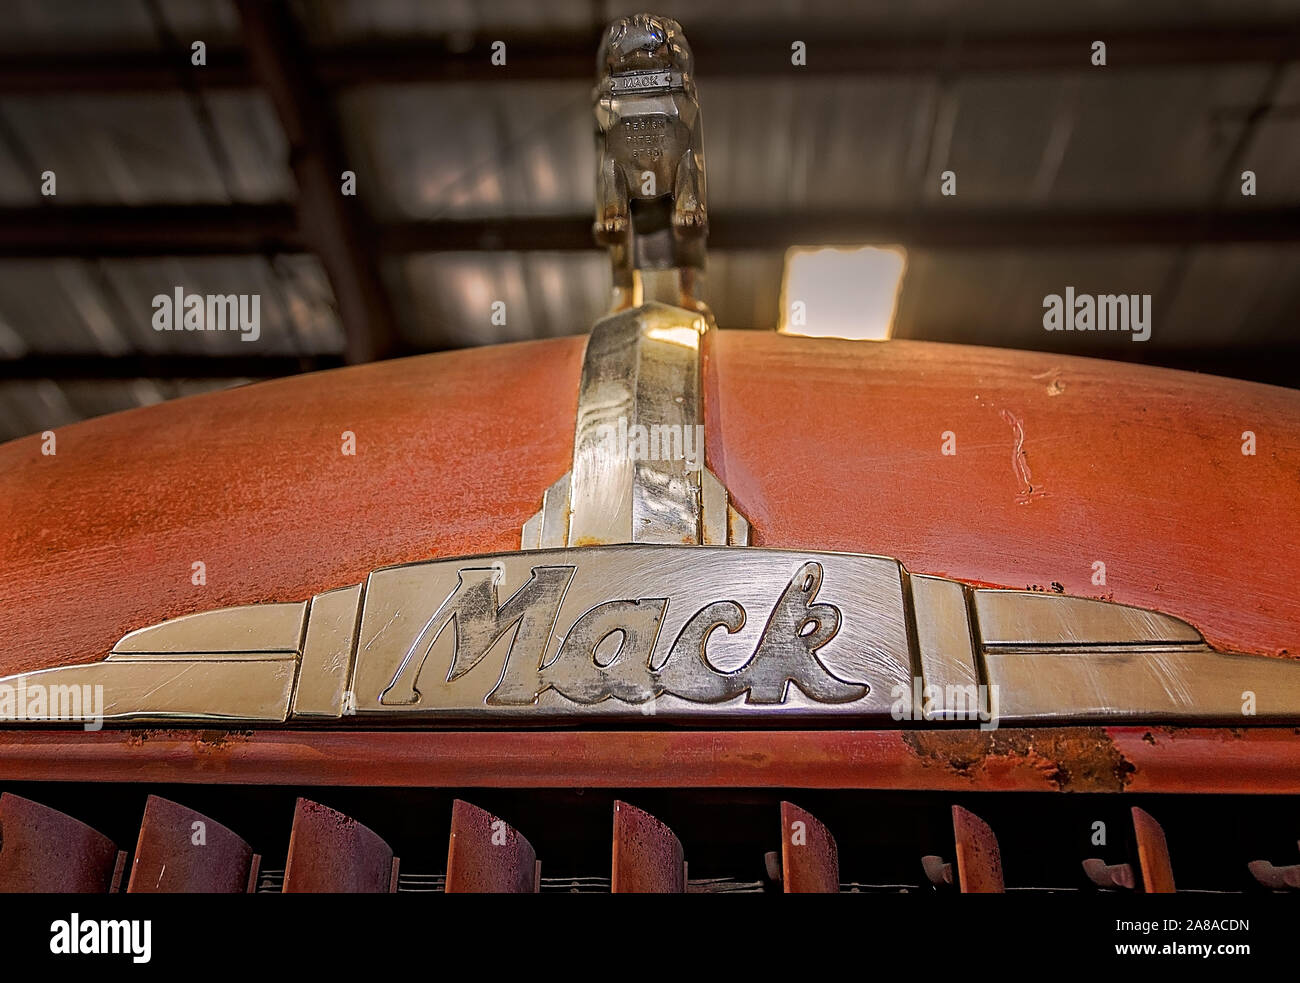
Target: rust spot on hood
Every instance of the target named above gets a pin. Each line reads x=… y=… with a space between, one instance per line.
x=1072 y=759
x=200 y=740
x=219 y=740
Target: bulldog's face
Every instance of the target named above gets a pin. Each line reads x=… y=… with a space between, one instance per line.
x=644 y=43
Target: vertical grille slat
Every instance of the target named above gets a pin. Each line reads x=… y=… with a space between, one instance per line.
x=648 y=857
x=486 y=855
x=180 y=851
x=979 y=860
x=1153 y=854
x=44 y=850
x=333 y=853
x=810 y=859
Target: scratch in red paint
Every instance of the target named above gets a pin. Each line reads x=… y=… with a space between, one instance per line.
x=1020 y=462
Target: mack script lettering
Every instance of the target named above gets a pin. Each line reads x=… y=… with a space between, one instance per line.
x=608 y=652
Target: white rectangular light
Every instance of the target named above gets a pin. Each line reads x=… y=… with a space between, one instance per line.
x=829 y=292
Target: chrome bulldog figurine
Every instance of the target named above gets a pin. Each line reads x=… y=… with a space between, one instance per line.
x=650 y=203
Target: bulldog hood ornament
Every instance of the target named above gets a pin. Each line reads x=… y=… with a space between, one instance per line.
x=635 y=590
x=651 y=210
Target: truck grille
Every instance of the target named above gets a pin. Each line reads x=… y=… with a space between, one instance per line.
x=101 y=837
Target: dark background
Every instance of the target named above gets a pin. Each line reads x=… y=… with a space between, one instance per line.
x=475 y=181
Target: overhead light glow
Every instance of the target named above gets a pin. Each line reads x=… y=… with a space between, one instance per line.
x=841 y=293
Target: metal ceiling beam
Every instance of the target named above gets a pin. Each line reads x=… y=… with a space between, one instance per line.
x=928 y=228
x=193 y=230
x=81 y=366
x=108 y=231
x=335 y=227
x=117 y=71
x=568 y=55
x=941 y=228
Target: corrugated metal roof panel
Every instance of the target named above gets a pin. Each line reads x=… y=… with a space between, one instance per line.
x=334 y=21
x=59 y=305
x=459 y=151
x=96 y=24
x=1148 y=137
x=995 y=297
x=73 y=306
x=296 y=310
x=143 y=148
x=1239 y=295
x=551 y=294
x=1274 y=149
x=1234 y=295
x=826 y=142
x=545 y=295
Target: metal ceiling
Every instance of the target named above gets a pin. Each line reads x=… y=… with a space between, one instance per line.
x=474 y=182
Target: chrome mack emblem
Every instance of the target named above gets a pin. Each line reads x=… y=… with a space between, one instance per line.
x=687 y=633
x=627 y=670
x=618 y=649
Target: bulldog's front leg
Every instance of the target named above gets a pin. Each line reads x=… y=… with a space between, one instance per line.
x=689 y=213
x=611 y=203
